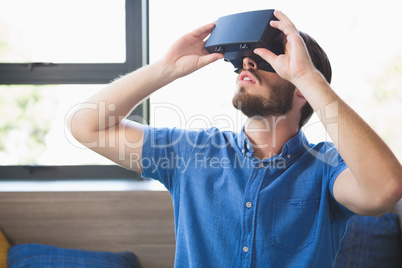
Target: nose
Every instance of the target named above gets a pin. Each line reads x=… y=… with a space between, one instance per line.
x=249 y=63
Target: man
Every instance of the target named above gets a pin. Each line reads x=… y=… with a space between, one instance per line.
x=263 y=197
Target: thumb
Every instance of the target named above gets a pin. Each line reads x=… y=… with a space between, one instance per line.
x=210 y=58
x=266 y=54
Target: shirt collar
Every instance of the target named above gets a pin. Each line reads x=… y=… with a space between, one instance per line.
x=291 y=148
x=295 y=145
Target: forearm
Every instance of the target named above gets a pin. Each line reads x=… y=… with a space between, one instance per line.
x=184 y=57
x=374 y=166
x=113 y=103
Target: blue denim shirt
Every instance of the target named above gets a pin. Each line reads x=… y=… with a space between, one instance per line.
x=234 y=210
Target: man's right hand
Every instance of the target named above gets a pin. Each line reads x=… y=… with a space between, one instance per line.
x=188 y=54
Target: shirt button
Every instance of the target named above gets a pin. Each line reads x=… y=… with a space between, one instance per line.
x=261 y=164
x=248 y=146
x=249 y=205
x=245 y=249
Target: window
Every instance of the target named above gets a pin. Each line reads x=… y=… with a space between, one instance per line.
x=366 y=60
x=54 y=54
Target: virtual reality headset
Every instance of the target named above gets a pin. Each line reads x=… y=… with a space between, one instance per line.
x=236 y=36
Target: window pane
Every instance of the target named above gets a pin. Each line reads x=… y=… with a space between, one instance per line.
x=62 y=31
x=32 y=126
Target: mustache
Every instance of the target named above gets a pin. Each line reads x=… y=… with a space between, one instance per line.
x=253 y=72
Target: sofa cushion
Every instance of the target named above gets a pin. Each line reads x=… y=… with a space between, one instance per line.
x=371 y=242
x=37 y=255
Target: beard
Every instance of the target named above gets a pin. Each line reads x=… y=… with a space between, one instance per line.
x=280 y=101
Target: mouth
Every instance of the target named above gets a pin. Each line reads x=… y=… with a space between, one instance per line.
x=246 y=77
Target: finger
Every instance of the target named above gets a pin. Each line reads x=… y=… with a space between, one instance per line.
x=203 y=31
x=284 y=27
x=282 y=17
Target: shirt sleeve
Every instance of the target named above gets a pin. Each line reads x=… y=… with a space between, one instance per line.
x=166 y=152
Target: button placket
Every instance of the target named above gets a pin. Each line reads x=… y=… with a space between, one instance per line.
x=250 y=203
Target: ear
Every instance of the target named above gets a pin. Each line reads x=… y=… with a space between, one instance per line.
x=299 y=100
x=299 y=94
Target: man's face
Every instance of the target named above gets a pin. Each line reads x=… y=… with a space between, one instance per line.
x=262 y=93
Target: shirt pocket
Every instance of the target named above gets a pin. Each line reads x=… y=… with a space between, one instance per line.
x=294 y=222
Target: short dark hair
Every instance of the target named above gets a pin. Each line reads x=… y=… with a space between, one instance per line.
x=321 y=63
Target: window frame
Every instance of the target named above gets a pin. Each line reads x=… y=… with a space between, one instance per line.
x=137 y=55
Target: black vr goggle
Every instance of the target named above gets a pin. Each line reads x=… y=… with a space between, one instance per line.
x=236 y=36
